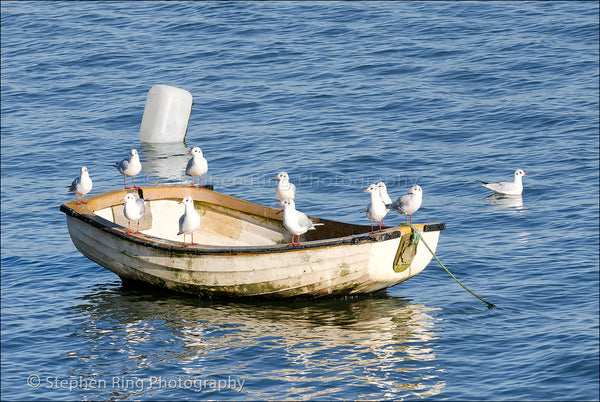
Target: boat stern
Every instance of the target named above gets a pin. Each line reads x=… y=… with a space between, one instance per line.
x=395 y=261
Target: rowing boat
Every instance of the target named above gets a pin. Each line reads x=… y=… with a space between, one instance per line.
x=242 y=249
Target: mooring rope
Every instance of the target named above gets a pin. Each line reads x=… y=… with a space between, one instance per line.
x=417 y=236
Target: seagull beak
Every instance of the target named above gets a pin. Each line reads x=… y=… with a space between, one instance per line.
x=525 y=174
x=278 y=203
x=276 y=177
x=123 y=200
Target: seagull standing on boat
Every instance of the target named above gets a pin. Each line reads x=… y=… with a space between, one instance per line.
x=383 y=194
x=507 y=188
x=285 y=190
x=197 y=165
x=408 y=204
x=133 y=210
x=296 y=222
x=130 y=167
x=189 y=222
x=376 y=209
x=81 y=185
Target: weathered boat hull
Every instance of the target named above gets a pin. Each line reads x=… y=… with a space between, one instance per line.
x=345 y=265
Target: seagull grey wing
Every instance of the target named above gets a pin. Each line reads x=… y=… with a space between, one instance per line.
x=394 y=205
x=189 y=166
x=400 y=204
x=141 y=205
x=74 y=184
x=181 y=218
x=123 y=166
x=303 y=220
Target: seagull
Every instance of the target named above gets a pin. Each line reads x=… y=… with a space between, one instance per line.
x=130 y=167
x=507 y=188
x=409 y=203
x=81 y=185
x=376 y=209
x=197 y=165
x=383 y=193
x=133 y=210
x=296 y=222
x=189 y=222
x=285 y=190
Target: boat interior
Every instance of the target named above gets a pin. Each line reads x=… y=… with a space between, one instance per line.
x=225 y=220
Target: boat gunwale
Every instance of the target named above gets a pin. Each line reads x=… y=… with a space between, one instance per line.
x=78 y=211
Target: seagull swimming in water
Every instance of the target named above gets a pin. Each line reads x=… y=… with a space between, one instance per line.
x=285 y=190
x=507 y=188
x=130 y=167
x=409 y=203
x=133 y=210
x=81 y=185
x=197 y=165
x=189 y=222
x=296 y=222
x=376 y=209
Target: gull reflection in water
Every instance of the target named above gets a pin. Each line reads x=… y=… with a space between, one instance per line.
x=369 y=347
x=505 y=201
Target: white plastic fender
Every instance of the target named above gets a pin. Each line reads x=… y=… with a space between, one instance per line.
x=166 y=115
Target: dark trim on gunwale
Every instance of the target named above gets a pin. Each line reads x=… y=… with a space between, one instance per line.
x=172 y=246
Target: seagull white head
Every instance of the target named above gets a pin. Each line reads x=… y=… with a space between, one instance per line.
x=372 y=188
x=83 y=170
x=416 y=189
x=282 y=176
x=520 y=172
x=129 y=197
x=196 y=151
x=288 y=203
x=187 y=200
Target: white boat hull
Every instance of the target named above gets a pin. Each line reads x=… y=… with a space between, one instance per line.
x=345 y=265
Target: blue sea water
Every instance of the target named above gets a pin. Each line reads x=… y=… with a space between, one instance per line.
x=338 y=94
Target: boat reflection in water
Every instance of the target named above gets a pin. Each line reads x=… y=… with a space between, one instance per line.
x=165 y=163
x=368 y=347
